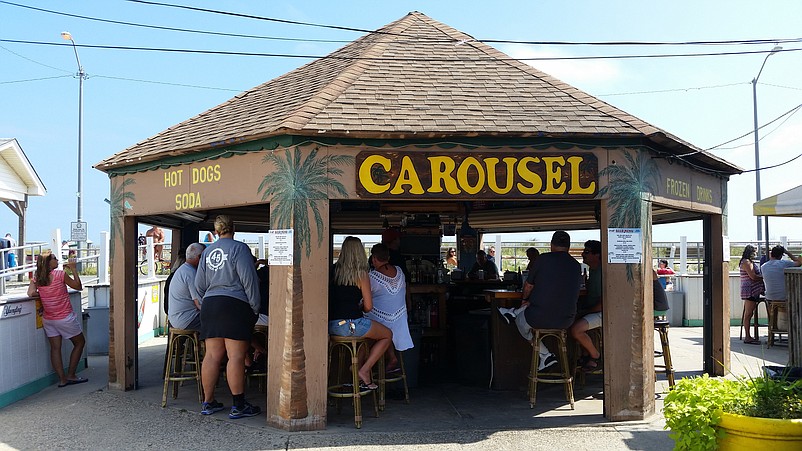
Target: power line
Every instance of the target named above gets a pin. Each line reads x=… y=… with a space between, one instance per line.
x=183 y=85
x=33 y=79
x=791 y=111
x=396 y=59
x=33 y=61
x=774 y=165
x=184 y=30
x=660 y=91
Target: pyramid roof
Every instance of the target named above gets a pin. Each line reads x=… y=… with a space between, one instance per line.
x=413 y=78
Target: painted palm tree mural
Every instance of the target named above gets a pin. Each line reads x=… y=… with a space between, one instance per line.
x=625 y=189
x=120 y=197
x=297 y=186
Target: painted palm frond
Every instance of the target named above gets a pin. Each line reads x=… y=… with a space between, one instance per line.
x=296 y=187
x=625 y=189
x=120 y=198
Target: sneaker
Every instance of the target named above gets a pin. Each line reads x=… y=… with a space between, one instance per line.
x=248 y=410
x=507 y=314
x=550 y=360
x=208 y=408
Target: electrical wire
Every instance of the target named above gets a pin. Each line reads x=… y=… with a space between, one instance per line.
x=183 y=30
x=395 y=59
x=660 y=91
x=33 y=61
x=33 y=79
x=183 y=85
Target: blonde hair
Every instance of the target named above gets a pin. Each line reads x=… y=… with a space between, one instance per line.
x=223 y=225
x=42 y=277
x=352 y=264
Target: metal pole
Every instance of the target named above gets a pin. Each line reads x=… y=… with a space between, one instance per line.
x=81 y=76
x=757 y=154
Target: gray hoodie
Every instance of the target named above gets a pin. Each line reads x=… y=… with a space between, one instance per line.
x=226 y=268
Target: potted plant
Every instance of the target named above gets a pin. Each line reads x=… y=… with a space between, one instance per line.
x=752 y=413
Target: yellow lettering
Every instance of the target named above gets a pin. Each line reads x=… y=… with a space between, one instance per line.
x=535 y=182
x=554 y=175
x=704 y=195
x=217 y=174
x=442 y=169
x=172 y=178
x=462 y=175
x=576 y=181
x=188 y=201
x=492 y=183
x=365 y=174
x=407 y=176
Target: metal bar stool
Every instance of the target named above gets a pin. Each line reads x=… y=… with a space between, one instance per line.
x=661 y=326
x=597 y=337
x=349 y=346
x=383 y=379
x=754 y=318
x=552 y=377
x=179 y=343
x=261 y=374
x=774 y=309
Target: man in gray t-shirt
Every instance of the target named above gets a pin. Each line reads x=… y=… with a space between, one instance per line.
x=184 y=300
x=773 y=274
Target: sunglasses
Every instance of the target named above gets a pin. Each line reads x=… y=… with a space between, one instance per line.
x=52 y=257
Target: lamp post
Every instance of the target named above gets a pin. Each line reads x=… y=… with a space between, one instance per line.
x=81 y=77
x=776 y=49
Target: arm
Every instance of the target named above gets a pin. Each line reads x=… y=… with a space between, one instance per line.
x=72 y=281
x=750 y=270
x=367 y=296
x=250 y=280
x=797 y=259
x=32 y=291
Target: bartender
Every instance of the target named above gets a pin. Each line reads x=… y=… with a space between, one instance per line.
x=487 y=268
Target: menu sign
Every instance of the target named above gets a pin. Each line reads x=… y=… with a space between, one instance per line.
x=624 y=246
x=279 y=245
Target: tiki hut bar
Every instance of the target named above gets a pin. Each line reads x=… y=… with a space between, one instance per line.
x=420 y=128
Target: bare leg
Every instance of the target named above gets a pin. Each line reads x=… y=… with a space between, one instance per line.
x=210 y=370
x=579 y=332
x=749 y=311
x=78 y=343
x=55 y=358
x=383 y=338
x=235 y=369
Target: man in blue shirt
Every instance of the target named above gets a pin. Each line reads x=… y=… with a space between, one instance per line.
x=773 y=275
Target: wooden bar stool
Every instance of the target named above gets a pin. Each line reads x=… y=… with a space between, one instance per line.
x=261 y=374
x=180 y=343
x=563 y=376
x=598 y=342
x=754 y=318
x=349 y=346
x=661 y=326
x=382 y=380
x=774 y=309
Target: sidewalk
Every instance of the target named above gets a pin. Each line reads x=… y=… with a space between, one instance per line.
x=448 y=416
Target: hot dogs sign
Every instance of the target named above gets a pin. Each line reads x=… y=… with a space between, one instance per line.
x=520 y=175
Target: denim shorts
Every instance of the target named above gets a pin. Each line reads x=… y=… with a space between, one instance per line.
x=342 y=327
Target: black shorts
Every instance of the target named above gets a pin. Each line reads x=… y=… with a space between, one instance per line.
x=226 y=317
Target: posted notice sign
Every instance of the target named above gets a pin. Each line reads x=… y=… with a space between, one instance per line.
x=624 y=246
x=279 y=245
x=78 y=231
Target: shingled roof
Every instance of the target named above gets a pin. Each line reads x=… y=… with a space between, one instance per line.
x=415 y=76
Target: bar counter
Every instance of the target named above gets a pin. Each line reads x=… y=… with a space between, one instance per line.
x=511 y=355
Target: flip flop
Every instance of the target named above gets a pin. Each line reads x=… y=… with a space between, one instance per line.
x=753 y=342
x=370 y=386
x=80 y=380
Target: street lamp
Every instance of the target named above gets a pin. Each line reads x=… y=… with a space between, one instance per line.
x=776 y=49
x=81 y=77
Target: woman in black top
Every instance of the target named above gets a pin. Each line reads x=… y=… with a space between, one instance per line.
x=349 y=297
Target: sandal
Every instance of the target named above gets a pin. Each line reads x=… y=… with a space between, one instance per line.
x=591 y=364
x=366 y=386
x=753 y=341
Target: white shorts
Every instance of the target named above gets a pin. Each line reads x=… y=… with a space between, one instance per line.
x=66 y=327
x=594 y=320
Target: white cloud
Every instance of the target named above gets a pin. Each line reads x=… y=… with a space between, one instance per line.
x=581 y=73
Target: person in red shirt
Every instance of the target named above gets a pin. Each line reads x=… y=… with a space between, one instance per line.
x=59 y=320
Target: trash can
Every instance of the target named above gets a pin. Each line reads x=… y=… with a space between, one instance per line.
x=96 y=328
x=412 y=356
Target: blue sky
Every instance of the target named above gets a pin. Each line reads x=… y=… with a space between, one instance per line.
x=131 y=95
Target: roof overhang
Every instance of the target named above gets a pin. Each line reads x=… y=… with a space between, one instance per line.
x=27 y=180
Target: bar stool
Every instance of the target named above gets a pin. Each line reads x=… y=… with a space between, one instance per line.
x=351 y=346
x=382 y=380
x=661 y=326
x=179 y=343
x=774 y=309
x=598 y=342
x=754 y=318
x=552 y=377
x=262 y=375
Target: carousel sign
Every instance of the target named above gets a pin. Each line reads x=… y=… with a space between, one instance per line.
x=445 y=175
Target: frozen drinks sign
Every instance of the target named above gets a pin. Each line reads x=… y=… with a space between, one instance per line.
x=279 y=245
x=624 y=246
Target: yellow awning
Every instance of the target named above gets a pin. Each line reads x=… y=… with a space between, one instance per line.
x=788 y=203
